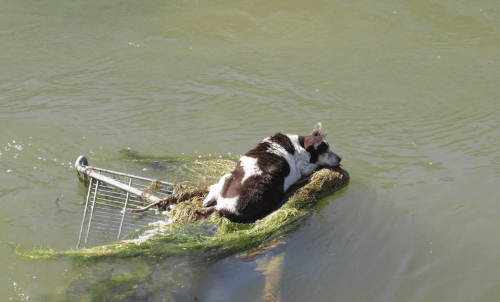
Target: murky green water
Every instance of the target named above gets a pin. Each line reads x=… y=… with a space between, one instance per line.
x=407 y=90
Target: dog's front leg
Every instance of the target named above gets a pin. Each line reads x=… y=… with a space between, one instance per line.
x=305 y=167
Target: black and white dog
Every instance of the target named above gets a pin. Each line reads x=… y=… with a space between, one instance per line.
x=263 y=174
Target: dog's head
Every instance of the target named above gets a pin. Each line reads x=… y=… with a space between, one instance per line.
x=319 y=149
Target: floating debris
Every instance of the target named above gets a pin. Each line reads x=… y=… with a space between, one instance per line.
x=191 y=228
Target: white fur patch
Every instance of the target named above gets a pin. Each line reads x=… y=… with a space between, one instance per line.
x=228 y=204
x=249 y=165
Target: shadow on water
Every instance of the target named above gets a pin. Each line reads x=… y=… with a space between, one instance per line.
x=190 y=278
x=217 y=276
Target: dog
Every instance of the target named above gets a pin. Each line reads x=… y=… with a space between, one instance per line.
x=262 y=176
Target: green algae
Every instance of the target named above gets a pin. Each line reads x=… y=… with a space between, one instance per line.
x=190 y=234
x=120 y=283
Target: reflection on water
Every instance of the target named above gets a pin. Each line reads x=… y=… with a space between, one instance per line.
x=408 y=92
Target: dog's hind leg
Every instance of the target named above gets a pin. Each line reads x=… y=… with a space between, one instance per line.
x=211 y=199
x=210 y=202
x=213 y=194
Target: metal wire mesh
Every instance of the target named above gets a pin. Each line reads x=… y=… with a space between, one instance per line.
x=107 y=215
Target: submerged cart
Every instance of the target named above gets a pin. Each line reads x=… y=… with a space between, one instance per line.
x=110 y=198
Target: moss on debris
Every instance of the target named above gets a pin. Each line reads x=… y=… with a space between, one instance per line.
x=189 y=233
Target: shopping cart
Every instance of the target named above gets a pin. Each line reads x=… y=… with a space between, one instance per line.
x=110 y=198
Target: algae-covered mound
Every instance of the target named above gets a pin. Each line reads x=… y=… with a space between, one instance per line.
x=194 y=230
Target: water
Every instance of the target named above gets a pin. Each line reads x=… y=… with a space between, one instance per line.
x=407 y=90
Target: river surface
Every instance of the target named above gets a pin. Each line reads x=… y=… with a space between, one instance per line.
x=408 y=92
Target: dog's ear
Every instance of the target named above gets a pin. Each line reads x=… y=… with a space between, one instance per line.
x=313 y=142
x=317 y=129
x=319 y=140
